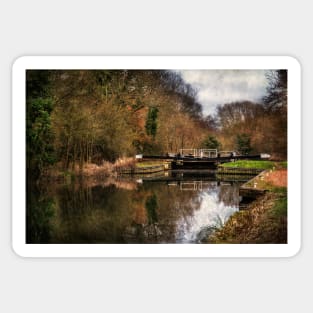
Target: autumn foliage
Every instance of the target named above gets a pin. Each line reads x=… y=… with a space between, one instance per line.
x=81 y=117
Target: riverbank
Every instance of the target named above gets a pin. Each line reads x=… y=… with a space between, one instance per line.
x=263 y=220
x=104 y=170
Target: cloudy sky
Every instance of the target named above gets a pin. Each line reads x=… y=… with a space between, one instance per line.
x=224 y=86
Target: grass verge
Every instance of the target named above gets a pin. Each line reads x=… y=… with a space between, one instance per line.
x=259 y=164
x=265 y=221
x=148 y=164
x=250 y=164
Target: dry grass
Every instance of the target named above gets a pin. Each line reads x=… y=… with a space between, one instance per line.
x=96 y=170
x=107 y=168
x=124 y=163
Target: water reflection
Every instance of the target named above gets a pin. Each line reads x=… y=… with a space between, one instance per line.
x=40 y=212
x=211 y=214
x=177 y=209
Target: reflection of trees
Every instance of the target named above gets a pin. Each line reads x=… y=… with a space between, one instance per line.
x=174 y=204
x=229 y=195
x=74 y=200
x=171 y=204
x=151 y=207
x=156 y=214
x=93 y=215
x=107 y=214
x=40 y=211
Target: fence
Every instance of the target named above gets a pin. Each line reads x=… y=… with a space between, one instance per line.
x=199 y=153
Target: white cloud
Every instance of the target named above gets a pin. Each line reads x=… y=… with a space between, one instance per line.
x=222 y=86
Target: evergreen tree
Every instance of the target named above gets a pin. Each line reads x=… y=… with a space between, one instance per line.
x=151 y=123
x=211 y=143
x=39 y=136
x=243 y=144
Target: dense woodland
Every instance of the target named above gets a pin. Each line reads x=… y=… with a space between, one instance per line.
x=75 y=117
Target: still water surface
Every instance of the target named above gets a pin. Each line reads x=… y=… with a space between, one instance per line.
x=181 y=208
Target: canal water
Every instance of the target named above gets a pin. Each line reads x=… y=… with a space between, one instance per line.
x=183 y=207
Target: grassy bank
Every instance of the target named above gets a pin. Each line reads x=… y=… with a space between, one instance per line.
x=258 y=164
x=264 y=220
x=145 y=164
